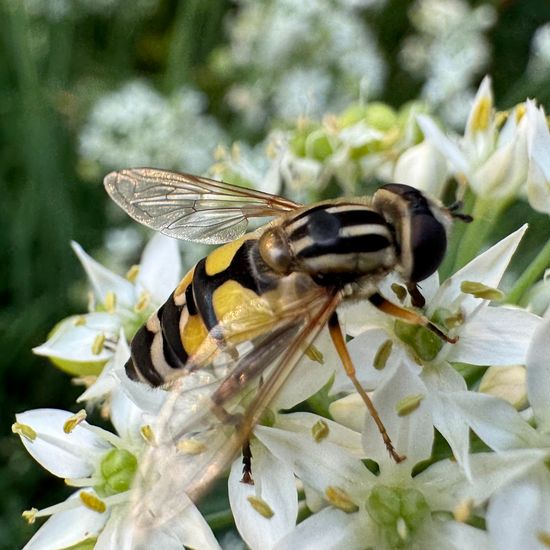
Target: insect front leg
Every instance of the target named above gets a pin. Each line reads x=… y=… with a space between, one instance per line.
x=247 y=464
x=340 y=345
x=408 y=316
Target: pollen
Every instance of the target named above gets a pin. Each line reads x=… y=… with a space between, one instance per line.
x=80 y=321
x=408 y=404
x=110 y=302
x=147 y=433
x=29 y=515
x=463 y=510
x=143 y=302
x=23 y=430
x=92 y=502
x=98 y=343
x=544 y=538
x=340 y=499
x=261 y=506
x=383 y=354
x=133 y=273
x=479 y=290
x=314 y=354
x=320 y=431
x=74 y=421
x=521 y=109
x=481 y=114
x=191 y=447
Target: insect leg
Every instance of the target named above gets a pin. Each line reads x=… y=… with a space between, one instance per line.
x=408 y=316
x=247 y=464
x=340 y=345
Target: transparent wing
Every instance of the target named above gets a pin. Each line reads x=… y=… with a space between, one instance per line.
x=194 y=448
x=189 y=207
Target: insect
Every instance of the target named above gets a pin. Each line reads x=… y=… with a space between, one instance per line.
x=256 y=304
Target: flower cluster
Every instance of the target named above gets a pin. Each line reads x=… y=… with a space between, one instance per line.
x=289 y=59
x=448 y=52
x=138 y=126
x=471 y=413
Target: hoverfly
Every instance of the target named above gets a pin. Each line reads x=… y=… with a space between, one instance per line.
x=256 y=304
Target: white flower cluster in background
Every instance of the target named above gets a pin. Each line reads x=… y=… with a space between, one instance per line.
x=539 y=62
x=299 y=58
x=449 y=52
x=138 y=126
x=56 y=10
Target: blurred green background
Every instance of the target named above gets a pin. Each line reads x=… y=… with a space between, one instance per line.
x=59 y=58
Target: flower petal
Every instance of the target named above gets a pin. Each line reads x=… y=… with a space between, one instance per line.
x=160 y=267
x=103 y=280
x=443 y=144
x=444 y=484
x=494 y=420
x=319 y=464
x=538 y=375
x=412 y=434
x=488 y=268
x=74 y=338
x=328 y=529
x=519 y=515
x=495 y=336
x=68 y=528
x=274 y=484
x=67 y=455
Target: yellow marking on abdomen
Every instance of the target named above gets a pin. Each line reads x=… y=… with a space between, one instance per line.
x=183 y=284
x=242 y=313
x=218 y=260
x=193 y=334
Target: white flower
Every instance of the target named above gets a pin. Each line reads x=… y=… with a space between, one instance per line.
x=82 y=344
x=422 y=166
x=526 y=499
x=103 y=465
x=279 y=50
x=493 y=163
x=449 y=51
x=392 y=509
x=487 y=335
x=538 y=139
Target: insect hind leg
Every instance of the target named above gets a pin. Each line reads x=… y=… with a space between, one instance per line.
x=340 y=345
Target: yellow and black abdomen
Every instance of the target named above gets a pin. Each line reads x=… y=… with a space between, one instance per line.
x=229 y=278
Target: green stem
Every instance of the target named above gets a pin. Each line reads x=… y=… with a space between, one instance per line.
x=486 y=212
x=533 y=272
x=459 y=228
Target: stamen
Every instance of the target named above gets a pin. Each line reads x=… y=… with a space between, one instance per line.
x=110 y=302
x=143 y=302
x=319 y=431
x=92 y=502
x=314 y=354
x=148 y=435
x=482 y=114
x=408 y=404
x=479 y=290
x=383 y=354
x=261 y=506
x=23 y=430
x=74 y=421
x=463 y=510
x=83 y=481
x=190 y=446
x=98 y=343
x=133 y=273
x=80 y=321
x=340 y=499
x=30 y=515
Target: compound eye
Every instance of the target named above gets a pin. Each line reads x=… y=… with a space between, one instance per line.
x=274 y=250
x=428 y=245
